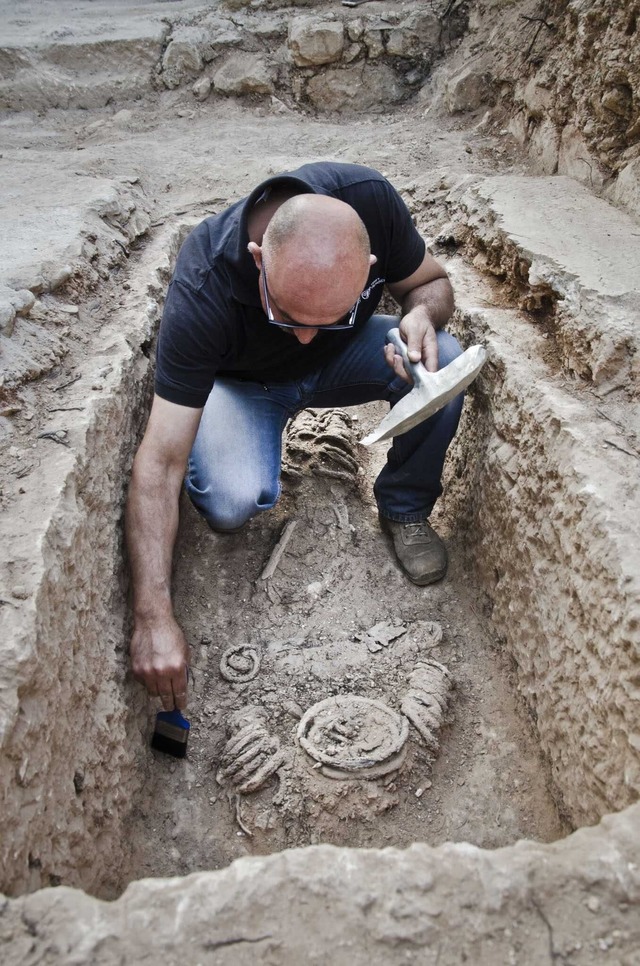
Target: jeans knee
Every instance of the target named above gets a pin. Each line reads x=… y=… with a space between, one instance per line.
x=228 y=509
x=448 y=348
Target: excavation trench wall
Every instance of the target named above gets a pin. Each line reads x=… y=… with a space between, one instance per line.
x=558 y=567
x=71 y=724
x=552 y=520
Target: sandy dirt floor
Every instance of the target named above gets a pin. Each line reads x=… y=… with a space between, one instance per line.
x=314 y=625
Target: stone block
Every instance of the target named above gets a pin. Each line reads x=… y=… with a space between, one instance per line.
x=468 y=90
x=183 y=57
x=313 y=42
x=245 y=74
x=546 y=234
x=355 y=88
x=358 y=907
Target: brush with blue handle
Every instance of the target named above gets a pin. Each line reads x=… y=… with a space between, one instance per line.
x=171 y=733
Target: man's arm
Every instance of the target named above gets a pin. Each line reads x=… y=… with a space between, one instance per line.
x=426 y=298
x=159 y=654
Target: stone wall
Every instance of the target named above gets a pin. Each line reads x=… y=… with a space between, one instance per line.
x=322 y=57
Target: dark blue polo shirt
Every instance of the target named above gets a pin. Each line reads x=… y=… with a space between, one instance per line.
x=213 y=320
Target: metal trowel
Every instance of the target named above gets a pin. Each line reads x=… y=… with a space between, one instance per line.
x=431 y=390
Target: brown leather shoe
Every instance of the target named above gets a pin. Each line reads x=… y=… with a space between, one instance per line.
x=419 y=550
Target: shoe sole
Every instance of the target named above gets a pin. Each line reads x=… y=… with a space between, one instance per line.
x=424 y=582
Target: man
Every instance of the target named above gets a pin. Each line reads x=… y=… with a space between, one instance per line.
x=270 y=311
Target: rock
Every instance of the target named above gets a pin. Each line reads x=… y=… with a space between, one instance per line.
x=537 y=98
x=313 y=42
x=19 y=303
x=418 y=37
x=352 y=53
x=202 y=88
x=543 y=147
x=7 y=316
x=618 y=100
x=245 y=74
x=355 y=88
x=575 y=159
x=122 y=118
x=374 y=43
x=355 y=29
x=57 y=276
x=625 y=191
x=183 y=56
x=468 y=90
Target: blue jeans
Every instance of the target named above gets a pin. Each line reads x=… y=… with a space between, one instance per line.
x=234 y=466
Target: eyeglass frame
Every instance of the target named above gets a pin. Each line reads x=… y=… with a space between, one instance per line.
x=332 y=327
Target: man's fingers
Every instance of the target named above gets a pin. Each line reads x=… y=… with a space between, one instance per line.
x=171 y=688
x=180 y=689
x=166 y=697
x=396 y=362
x=430 y=350
x=180 y=699
x=413 y=335
x=163 y=688
x=415 y=348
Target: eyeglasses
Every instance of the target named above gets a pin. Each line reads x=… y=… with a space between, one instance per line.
x=346 y=322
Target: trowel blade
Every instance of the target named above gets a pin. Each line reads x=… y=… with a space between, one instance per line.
x=435 y=390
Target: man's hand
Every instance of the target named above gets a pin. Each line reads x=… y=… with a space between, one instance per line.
x=159 y=659
x=427 y=302
x=422 y=344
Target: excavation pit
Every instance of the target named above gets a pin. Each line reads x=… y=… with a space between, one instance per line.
x=326 y=620
x=537 y=620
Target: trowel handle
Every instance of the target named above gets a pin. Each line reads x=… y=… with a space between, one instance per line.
x=414 y=369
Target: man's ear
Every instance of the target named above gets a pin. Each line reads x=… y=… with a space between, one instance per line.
x=372 y=260
x=256 y=252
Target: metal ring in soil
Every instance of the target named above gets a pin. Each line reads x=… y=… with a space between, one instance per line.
x=351 y=733
x=246 y=660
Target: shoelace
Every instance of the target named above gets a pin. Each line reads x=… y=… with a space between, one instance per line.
x=420 y=529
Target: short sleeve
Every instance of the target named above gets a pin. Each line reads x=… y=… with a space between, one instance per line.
x=192 y=344
x=405 y=246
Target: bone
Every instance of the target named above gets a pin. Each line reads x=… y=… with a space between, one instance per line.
x=251 y=755
x=425 y=704
x=278 y=550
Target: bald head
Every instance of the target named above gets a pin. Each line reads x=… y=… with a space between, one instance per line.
x=317 y=252
x=323 y=228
